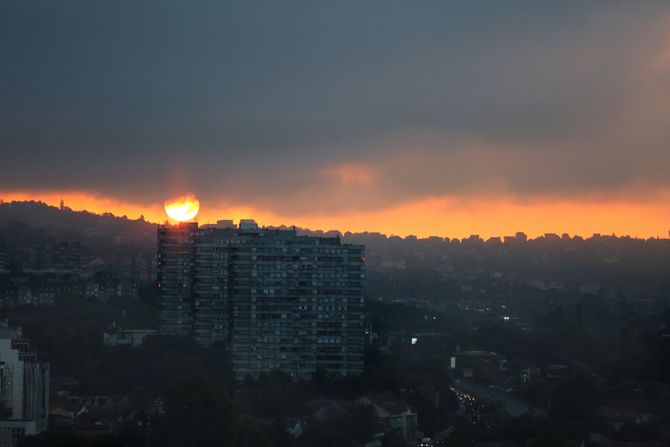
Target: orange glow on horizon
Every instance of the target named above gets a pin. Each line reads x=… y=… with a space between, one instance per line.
x=182 y=209
x=441 y=216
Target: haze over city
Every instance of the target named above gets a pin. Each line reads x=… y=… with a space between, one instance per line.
x=437 y=118
x=351 y=223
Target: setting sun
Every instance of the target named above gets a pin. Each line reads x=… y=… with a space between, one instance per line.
x=182 y=208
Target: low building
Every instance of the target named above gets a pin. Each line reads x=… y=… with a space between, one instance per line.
x=11 y=432
x=100 y=401
x=480 y=365
x=393 y=414
x=127 y=337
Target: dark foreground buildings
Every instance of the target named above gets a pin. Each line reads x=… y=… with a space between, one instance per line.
x=279 y=301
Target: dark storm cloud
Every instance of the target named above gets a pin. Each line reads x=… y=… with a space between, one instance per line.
x=363 y=103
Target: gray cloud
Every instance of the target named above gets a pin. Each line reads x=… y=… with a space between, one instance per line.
x=249 y=100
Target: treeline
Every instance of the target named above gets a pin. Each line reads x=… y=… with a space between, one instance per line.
x=631 y=268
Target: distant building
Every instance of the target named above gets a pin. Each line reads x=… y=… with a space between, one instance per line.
x=104 y=285
x=127 y=337
x=68 y=256
x=618 y=416
x=24 y=382
x=480 y=365
x=279 y=301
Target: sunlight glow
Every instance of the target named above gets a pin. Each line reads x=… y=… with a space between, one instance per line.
x=638 y=216
x=182 y=208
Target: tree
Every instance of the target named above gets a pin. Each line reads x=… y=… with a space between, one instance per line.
x=5 y=412
x=197 y=414
x=362 y=423
x=393 y=439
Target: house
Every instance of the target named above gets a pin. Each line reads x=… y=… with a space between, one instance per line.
x=326 y=409
x=619 y=415
x=393 y=414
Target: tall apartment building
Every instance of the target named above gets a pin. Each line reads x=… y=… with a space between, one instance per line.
x=278 y=300
x=24 y=382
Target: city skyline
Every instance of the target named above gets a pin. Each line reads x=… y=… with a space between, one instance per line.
x=583 y=219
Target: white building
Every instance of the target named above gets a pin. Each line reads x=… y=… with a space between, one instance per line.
x=24 y=382
x=127 y=337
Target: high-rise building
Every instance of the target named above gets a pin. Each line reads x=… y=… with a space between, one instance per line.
x=24 y=382
x=176 y=277
x=278 y=300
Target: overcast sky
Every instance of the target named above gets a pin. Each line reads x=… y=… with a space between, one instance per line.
x=302 y=107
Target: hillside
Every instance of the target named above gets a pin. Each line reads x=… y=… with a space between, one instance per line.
x=431 y=268
x=30 y=223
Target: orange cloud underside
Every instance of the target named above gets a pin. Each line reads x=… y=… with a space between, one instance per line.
x=351 y=174
x=443 y=216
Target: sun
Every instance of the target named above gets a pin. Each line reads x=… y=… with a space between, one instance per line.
x=183 y=208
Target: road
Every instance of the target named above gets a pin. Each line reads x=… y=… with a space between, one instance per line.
x=511 y=405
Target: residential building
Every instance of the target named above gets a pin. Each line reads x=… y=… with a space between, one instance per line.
x=392 y=414
x=24 y=382
x=176 y=277
x=11 y=432
x=127 y=337
x=278 y=300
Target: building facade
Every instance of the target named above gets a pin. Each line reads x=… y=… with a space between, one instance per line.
x=24 y=382
x=278 y=300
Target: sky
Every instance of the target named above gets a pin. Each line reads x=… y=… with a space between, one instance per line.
x=426 y=117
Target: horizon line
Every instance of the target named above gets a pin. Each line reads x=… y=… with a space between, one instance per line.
x=474 y=236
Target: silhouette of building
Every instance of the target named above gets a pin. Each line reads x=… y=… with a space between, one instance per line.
x=278 y=300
